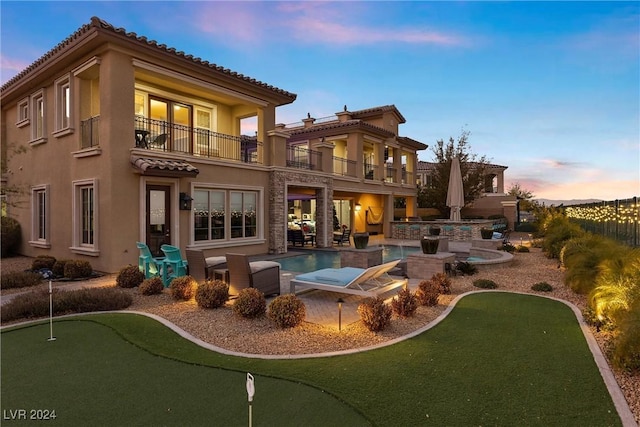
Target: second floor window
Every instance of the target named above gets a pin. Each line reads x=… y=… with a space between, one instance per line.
x=63 y=103
x=38 y=122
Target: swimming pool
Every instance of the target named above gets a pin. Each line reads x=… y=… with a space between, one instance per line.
x=317 y=260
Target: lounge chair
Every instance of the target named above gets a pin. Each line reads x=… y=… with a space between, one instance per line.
x=147 y=264
x=173 y=265
x=262 y=275
x=201 y=268
x=350 y=280
x=341 y=238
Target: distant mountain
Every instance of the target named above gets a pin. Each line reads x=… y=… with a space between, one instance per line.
x=549 y=202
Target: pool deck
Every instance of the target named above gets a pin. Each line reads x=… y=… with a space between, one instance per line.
x=321 y=306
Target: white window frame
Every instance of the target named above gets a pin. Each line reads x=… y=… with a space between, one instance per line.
x=23 y=113
x=63 y=106
x=38 y=104
x=79 y=246
x=40 y=221
x=228 y=241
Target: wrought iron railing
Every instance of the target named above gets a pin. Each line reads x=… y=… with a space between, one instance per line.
x=344 y=167
x=408 y=178
x=390 y=174
x=90 y=130
x=303 y=158
x=370 y=171
x=171 y=137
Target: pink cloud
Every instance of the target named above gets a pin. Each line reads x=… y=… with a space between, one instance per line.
x=9 y=67
x=310 y=22
x=580 y=189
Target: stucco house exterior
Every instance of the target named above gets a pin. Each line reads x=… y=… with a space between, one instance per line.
x=111 y=138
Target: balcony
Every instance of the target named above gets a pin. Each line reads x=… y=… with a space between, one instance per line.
x=344 y=167
x=303 y=158
x=90 y=131
x=157 y=135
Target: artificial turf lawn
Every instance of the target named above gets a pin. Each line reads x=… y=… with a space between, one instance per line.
x=497 y=359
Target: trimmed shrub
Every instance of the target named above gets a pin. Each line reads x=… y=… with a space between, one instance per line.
x=20 y=279
x=212 y=294
x=43 y=262
x=287 y=311
x=443 y=281
x=58 y=267
x=428 y=293
x=485 y=284
x=36 y=304
x=183 y=288
x=542 y=287
x=76 y=269
x=522 y=249
x=129 y=277
x=405 y=303
x=250 y=303
x=10 y=236
x=466 y=268
x=152 y=286
x=374 y=313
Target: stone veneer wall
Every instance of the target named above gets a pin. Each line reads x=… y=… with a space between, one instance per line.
x=278 y=181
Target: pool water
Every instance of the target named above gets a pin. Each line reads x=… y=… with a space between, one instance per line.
x=318 y=260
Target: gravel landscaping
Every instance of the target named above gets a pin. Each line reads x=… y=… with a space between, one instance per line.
x=222 y=328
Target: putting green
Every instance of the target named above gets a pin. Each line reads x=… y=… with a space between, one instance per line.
x=497 y=359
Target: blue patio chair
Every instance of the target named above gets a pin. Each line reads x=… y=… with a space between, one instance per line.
x=149 y=265
x=173 y=265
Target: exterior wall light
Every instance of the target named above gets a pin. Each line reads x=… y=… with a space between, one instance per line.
x=185 y=202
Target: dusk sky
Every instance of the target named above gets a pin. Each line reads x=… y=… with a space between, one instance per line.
x=551 y=90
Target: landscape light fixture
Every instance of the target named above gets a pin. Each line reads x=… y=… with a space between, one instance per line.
x=340 y=301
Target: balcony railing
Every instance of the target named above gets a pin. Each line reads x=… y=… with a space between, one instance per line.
x=303 y=158
x=370 y=171
x=90 y=132
x=171 y=137
x=408 y=178
x=390 y=174
x=344 y=167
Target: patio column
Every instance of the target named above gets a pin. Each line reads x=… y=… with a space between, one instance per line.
x=326 y=152
x=277 y=148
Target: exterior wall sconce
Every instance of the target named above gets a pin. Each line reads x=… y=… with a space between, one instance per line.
x=358 y=207
x=185 y=202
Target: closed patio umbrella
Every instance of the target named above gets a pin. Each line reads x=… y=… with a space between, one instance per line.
x=455 y=192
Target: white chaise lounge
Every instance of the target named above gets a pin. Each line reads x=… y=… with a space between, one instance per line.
x=350 y=280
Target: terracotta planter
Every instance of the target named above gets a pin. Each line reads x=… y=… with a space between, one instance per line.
x=434 y=231
x=486 y=233
x=360 y=240
x=429 y=245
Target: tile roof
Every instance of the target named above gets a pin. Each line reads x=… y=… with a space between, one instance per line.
x=340 y=126
x=378 y=110
x=163 y=167
x=101 y=25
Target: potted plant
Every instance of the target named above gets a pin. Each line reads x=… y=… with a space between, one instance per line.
x=486 y=233
x=429 y=244
x=434 y=230
x=361 y=240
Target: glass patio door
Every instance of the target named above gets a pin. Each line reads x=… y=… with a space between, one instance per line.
x=172 y=119
x=158 y=219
